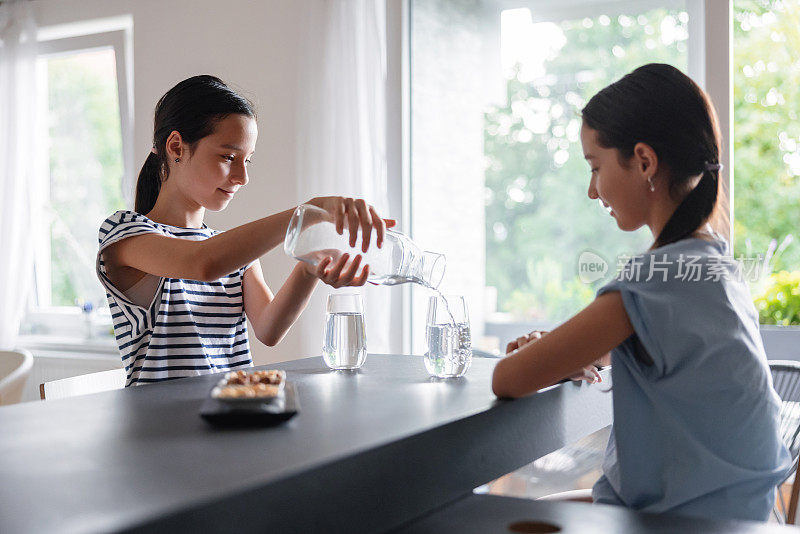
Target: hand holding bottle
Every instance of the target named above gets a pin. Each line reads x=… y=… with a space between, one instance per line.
x=354 y=214
x=336 y=273
x=313 y=236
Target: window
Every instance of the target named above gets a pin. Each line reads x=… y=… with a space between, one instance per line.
x=84 y=117
x=766 y=137
x=498 y=178
x=766 y=132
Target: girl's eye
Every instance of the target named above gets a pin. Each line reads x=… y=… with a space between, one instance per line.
x=246 y=161
x=228 y=157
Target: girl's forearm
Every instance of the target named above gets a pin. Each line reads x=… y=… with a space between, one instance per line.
x=290 y=300
x=587 y=336
x=228 y=251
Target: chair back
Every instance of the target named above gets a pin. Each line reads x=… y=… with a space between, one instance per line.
x=786 y=379
x=83 y=384
x=15 y=367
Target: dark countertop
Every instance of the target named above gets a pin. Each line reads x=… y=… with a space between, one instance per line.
x=368 y=451
x=483 y=514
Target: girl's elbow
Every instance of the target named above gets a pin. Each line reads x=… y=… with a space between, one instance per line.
x=500 y=386
x=207 y=271
x=270 y=339
x=497 y=388
x=506 y=383
x=197 y=264
x=503 y=391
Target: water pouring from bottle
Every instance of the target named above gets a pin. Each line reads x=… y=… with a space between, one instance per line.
x=449 y=342
x=312 y=236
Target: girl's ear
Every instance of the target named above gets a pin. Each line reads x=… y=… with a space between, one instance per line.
x=175 y=148
x=645 y=160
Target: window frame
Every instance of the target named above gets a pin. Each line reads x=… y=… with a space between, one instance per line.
x=64 y=321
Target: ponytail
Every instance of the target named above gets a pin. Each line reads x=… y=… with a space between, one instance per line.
x=693 y=211
x=193 y=107
x=149 y=184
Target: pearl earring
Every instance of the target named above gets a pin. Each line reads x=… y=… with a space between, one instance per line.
x=652 y=186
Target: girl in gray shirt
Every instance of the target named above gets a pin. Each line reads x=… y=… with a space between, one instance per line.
x=696 y=426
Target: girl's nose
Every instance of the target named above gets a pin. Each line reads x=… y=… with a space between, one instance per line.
x=592 y=190
x=239 y=176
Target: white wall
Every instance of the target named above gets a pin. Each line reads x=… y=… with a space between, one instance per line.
x=448 y=103
x=252 y=45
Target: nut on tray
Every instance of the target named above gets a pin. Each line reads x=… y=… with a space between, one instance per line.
x=250 y=386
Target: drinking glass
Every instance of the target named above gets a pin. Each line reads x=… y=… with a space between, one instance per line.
x=448 y=337
x=345 y=344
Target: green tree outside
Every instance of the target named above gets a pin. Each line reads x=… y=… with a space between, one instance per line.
x=538 y=215
x=537 y=212
x=766 y=148
x=85 y=148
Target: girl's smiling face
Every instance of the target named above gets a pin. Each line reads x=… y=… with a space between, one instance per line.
x=616 y=185
x=216 y=169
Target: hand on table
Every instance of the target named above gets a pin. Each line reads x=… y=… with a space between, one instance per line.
x=524 y=340
x=588 y=373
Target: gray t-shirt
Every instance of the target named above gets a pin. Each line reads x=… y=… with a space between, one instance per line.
x=696 y=419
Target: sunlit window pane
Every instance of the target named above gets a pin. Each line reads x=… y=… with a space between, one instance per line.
x=79 y=94
x=766 y=138
x=498 y=178
x=766 y=131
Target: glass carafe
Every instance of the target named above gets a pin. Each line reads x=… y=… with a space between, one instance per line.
x=312 y=236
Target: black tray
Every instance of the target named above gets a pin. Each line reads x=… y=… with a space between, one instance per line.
x=270 y=413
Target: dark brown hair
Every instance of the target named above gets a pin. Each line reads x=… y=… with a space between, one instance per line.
x=192 y=108
x=658 y=105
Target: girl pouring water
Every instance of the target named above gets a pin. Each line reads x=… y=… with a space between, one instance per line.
x=696 y=419
x=180 y=293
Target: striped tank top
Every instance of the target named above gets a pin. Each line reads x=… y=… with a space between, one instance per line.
x=190 y=328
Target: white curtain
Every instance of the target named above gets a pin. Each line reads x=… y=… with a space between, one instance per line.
x=17 y=152
x=342 y=132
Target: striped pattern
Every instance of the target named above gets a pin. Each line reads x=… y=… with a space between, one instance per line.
x=191 y=327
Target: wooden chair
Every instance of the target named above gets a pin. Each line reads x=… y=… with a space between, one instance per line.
x=786 y=379
x=15 y=367
x=83 y=384
x=578 y=495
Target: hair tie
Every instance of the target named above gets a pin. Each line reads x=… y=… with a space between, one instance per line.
x=713 y=166
x=154 y=151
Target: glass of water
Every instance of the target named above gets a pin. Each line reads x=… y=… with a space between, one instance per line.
x=448 y=337
x=345 y=335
